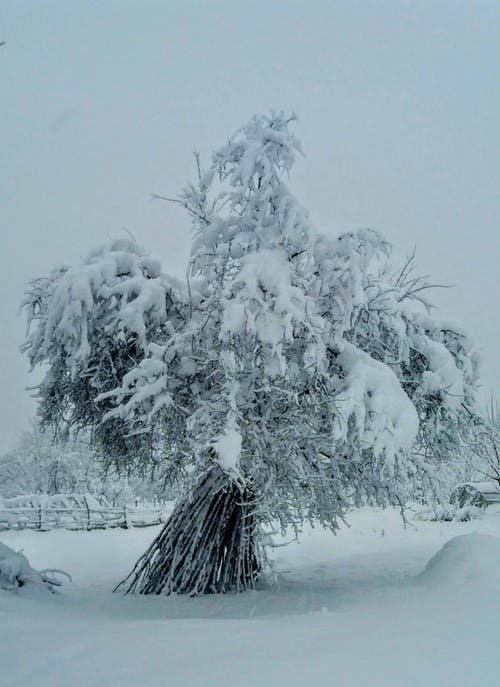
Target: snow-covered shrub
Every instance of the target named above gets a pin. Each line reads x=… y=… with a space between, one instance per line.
x=290 y=378
x=16 y=572
x=448 y=512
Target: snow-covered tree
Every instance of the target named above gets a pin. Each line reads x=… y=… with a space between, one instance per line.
x=482 y=451
x=285 y=382
x=38 y=465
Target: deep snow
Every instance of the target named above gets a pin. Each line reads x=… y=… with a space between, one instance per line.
x=359 y=609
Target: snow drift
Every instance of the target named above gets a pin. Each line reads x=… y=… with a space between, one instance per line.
x=468 y=558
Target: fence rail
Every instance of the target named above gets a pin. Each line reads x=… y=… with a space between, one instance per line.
x=45 y=518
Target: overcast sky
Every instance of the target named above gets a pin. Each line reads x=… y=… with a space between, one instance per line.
x=103 y=102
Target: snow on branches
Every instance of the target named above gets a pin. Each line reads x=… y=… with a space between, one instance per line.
x=118 y=289
x=91 y=325
x=384 y=419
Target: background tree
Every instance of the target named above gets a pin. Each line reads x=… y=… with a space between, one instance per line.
x=483 y=447
x=40 y=466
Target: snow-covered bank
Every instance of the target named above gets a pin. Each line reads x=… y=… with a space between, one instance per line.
x=349 y=610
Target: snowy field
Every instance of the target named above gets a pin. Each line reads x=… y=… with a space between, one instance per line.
x=351 y=610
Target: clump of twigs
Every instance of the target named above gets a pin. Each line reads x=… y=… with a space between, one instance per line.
x=209 y=544
x=413 y=287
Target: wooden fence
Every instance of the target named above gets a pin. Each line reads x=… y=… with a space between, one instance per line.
x=45 y=518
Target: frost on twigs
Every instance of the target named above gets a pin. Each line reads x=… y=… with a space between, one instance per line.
x=16 y=572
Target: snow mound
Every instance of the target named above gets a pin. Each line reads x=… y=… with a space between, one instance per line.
x=16 y=571
x=468 y=558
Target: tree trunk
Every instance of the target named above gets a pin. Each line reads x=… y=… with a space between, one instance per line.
x=208 y=545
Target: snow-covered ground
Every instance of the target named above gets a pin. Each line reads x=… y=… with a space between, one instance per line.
x=350 y=611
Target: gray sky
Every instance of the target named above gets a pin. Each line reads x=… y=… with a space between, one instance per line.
x=101 y=103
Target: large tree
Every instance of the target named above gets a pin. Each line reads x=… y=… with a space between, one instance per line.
x=286 y=381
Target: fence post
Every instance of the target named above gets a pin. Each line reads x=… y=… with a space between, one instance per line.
x=88 y=512
x=40 y=517
x=125 y=518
